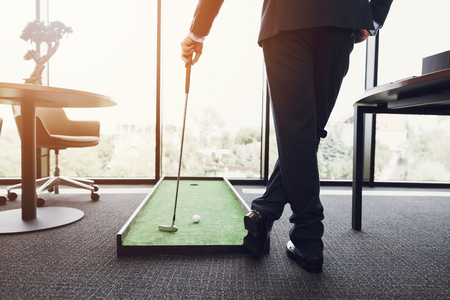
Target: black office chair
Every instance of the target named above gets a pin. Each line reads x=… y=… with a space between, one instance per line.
x=54 y=130
x=2 y=198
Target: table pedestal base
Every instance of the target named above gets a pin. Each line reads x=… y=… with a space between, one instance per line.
x=47 y=217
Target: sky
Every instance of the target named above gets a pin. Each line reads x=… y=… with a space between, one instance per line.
x=112 y=51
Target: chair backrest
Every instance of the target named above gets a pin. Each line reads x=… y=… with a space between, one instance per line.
x=55 y=131
x=55 y=119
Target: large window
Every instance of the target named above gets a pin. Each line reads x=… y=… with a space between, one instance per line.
x=113 y=51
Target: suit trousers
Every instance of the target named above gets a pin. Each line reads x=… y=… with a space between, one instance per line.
x=305 y=69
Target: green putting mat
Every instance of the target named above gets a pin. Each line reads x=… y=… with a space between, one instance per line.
x=220 y=211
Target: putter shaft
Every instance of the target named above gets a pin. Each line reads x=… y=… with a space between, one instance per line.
x=173 y=228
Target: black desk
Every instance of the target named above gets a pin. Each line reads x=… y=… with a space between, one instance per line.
x=424 y=95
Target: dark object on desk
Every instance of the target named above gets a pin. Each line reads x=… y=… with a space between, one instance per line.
x=436 y=62
x=55 y=131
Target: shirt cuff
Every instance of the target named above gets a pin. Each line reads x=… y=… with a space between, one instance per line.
x=377 y=26
x=198 y=39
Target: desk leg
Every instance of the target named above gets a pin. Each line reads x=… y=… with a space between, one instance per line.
x=358 y=167
x=28 y=132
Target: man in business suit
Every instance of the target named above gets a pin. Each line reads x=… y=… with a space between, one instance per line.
x=306 y=45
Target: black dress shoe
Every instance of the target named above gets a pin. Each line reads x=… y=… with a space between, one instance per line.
x=309 y=264
x=257 y=239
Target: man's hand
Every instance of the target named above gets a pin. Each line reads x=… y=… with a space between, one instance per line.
x=361 y=35
x=188 y=48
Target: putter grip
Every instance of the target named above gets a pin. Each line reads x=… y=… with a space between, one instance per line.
x=188 y=75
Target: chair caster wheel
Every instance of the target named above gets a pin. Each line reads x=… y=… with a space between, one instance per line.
x=2 y=200
x=40 y=202
x=95 y=197
x=96 y=188
x=12 y=196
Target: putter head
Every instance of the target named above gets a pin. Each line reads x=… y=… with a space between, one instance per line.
x=167 y=228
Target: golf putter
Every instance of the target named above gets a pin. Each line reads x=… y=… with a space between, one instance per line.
x=174 y=228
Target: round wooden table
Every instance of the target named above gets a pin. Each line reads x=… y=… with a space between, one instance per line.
x=29 y=97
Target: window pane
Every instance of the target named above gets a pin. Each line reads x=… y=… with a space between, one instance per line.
x=223 y=126
x=111 y=51
x=14 y=16
x=335 y=155
x=411 y=147
x=413 y=30
x=336 y=150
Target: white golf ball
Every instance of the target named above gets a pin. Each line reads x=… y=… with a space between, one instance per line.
x=196 y=218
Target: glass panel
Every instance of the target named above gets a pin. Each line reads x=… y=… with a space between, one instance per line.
x=412 y=31
x=412 y=147
x=336 y=150
x=14 y=16
x=111 y=51
x=223 y=127
x=335 y=155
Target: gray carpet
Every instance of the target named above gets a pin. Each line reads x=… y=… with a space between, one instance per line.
x=402 y=253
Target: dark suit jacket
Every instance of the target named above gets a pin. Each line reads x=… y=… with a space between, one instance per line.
x=280 y=15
